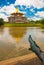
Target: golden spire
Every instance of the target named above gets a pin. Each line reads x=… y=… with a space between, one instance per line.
x=17 y=39
x=17 y=10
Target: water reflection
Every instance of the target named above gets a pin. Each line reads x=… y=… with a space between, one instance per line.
x=1 y=30
x=17 y=32
x=42 y=29
x=37 y=35
x=14 y=40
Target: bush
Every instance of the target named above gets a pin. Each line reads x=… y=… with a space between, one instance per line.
x=1 y=22
x=42 y=21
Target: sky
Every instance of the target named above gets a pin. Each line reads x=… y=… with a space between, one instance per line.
x=32 y=9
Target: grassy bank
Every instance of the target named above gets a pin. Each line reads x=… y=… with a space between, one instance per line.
x=22 y=25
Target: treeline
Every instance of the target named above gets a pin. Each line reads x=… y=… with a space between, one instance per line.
x=38 y=21
x=1 y=22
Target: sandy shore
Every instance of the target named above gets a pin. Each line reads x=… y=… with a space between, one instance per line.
x=29 y=59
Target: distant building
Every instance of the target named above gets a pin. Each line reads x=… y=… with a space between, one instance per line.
x=17 y=17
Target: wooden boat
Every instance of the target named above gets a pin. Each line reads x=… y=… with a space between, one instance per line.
x=36 y=49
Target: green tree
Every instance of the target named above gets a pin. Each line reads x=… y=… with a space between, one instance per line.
x=1 y=21
x=42 y=21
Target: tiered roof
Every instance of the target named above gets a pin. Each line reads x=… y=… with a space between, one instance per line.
x=17 y=14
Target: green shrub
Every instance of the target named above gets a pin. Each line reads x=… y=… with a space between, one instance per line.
x=1 y=22
x=42 y=21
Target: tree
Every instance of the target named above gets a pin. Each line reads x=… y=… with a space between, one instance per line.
x=1 y=21
x=42 y=21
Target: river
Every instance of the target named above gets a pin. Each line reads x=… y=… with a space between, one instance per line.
x=14 y=40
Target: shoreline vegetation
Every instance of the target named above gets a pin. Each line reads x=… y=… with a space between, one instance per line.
x=23 y=25
x=37 y=23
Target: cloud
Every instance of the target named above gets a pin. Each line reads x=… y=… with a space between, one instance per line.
x=35 y=3
x=8 y=3
x=35 y=18
x=8 y=10
x=40 y=14
x=31 y=8
x=4 y=17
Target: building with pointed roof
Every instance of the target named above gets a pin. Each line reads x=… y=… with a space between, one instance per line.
x=17 y=17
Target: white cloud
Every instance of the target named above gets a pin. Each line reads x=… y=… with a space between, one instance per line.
x=8 y=10
x=4 y=17
x=32 y=10
x=35 y=18
x=41 y=14
x=8 y=3
x=35 y=3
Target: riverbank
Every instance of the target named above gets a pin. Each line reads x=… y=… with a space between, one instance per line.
x=29 y=59
x=22 y=25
